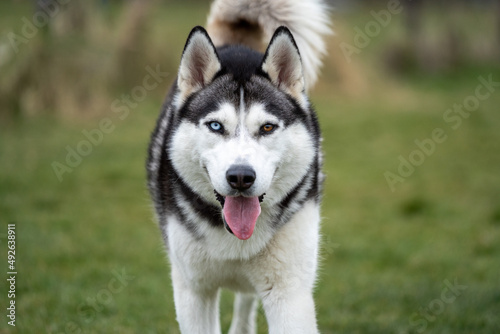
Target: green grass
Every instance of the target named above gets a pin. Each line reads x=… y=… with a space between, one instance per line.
x=386 y=256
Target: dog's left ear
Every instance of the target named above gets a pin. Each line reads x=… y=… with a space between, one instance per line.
x=199 y=63
x=282 y=63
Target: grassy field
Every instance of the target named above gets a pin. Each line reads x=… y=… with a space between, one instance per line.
x=423 y=256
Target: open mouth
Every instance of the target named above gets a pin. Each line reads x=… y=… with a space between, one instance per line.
x=240 y=213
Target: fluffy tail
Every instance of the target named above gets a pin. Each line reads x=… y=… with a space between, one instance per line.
x=253 y=22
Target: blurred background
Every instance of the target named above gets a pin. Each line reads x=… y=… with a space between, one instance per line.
x=408 y=100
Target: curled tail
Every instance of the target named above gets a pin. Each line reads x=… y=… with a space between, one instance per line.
x=253 y=22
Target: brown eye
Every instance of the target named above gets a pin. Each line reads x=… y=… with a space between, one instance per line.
x=267 y=128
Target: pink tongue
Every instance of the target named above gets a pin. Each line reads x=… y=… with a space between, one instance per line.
x=241 y=213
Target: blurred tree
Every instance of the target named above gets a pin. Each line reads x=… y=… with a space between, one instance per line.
x=409 y=53
x=434 y=42
x=132 y=41
x=498 y=27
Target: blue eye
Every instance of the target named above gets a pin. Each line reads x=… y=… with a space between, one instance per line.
x=215 y=126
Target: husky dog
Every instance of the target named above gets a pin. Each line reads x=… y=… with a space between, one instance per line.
x=234 y=167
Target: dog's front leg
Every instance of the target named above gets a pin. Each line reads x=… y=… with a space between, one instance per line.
x=197 y=308
x=290 y=312
x=244 y=315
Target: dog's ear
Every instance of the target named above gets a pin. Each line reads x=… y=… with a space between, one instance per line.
x=282 y=63
x=199 y=63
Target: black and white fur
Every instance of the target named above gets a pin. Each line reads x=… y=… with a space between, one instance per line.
x=246 y=93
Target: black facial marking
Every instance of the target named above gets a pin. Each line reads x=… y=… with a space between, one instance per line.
x=227 y=226
x=241 y=62
x=219 y=198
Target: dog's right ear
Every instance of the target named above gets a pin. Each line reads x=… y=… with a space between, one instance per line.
x=199 y=63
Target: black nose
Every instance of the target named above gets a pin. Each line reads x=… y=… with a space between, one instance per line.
x=240 y=177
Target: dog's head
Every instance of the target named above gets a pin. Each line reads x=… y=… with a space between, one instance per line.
x=242 y=126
